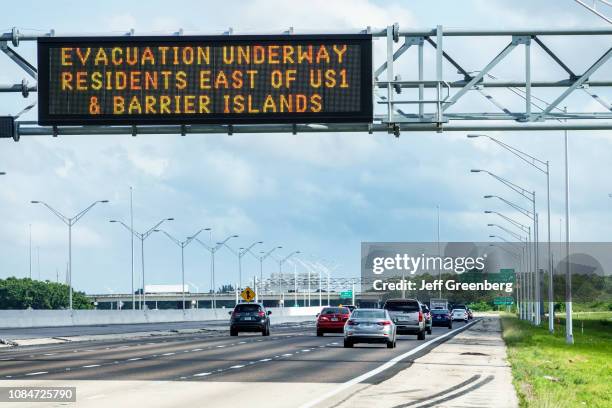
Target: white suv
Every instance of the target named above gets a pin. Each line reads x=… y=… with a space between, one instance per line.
x=460 y=314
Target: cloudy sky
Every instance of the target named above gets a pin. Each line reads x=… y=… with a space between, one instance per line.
x=320 y=193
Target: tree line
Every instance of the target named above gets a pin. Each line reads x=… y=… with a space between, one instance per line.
x=25 y=293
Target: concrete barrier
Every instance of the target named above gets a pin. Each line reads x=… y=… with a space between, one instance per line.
x=55 y=318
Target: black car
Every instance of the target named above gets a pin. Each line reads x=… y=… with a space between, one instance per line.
x=250 y=317
x=427 y=316
x=441 y=317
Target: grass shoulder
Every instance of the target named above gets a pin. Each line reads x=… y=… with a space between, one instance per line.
x=549 y=373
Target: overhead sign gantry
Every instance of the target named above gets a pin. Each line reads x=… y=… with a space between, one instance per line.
x=305 y=83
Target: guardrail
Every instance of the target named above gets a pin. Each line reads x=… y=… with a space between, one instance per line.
x=55 y=318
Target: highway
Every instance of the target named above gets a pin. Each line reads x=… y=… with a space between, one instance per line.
x=291 y=355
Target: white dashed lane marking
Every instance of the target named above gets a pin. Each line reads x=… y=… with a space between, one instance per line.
x=166 y=354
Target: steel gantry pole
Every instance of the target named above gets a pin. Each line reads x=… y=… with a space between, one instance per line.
x=182 y=245
x=543 y=167
x=213 y=250
x=569 y=330
x=142 y=236
x=69 y=222
x=132 y=245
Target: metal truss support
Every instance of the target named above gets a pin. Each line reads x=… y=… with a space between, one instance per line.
x=579 y=81
x=19 y=60
x=413 y=98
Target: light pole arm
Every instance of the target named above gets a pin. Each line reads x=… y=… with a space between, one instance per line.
x=232 y=250
x=525 y=193
x=517 y=224
x=506 y=241
x=137 y=235
x=210 y=249
x=248 y=249
x=173 y=239
x=82 y=213
x=194 y=236
x=515 y=235
x=58 y=214
x=526 y=157
x=223 y=243
x=517 y=207
x=153 y=228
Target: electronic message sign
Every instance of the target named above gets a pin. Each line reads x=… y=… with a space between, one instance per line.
x=205 y=80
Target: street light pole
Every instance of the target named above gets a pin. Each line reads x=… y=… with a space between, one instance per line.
x=142 y=236
x=240 y=253
x=515 y=223
x=531 y=196
x=182 y=245
x=213 y=250
x=543 y=167
x=262 y=258
x=280 y=276
x=69 y=222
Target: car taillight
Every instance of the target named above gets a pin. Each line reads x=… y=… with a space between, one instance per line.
x=384 y=323
x=261 y=313
x=352 y=323
x=323 y=318
x=420 y=316
x=345 y=317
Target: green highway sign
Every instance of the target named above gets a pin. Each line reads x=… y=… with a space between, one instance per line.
x=504 y=275
x=346 y=294
x=503 y=300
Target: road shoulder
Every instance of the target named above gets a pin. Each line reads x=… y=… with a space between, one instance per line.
x=471 y=369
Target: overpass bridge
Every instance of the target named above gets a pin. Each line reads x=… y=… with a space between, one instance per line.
x=228 y=300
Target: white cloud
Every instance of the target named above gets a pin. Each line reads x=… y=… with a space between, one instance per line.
x=154 y=166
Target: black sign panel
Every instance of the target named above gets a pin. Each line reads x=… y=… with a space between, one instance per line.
x=206 y=80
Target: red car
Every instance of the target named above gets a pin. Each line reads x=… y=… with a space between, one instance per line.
x=332 y=320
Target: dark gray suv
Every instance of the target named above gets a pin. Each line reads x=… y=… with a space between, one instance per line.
x=250 y=317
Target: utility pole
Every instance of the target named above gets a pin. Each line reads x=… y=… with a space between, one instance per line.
x=132 y=245
x=569 y=333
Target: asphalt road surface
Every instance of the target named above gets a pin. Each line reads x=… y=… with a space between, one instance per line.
x=63 y=331
x=289 y=355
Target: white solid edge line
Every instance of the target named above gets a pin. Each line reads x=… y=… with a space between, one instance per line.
x=381 y=368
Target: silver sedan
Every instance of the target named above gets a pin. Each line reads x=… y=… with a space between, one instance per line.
x=369 y=326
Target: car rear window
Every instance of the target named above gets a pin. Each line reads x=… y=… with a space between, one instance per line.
x=335 y=310
x=402 y=306
x=368 y=314
x=439 y=311
x=246 y=308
